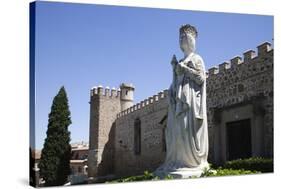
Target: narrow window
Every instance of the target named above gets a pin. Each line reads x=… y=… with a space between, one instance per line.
x=137 y=136
x=164 y=140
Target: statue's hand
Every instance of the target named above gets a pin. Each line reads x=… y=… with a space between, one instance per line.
x=179 y=69
x=185 y=67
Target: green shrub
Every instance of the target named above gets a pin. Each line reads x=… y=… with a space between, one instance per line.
x=235 y=167
x=146 y=176
x=224 y=172
x=253 y=164
x=168 y=177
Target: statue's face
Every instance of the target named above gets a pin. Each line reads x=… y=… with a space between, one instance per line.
x=187 y=43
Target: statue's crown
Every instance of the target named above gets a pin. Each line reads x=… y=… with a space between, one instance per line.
x=189 y=30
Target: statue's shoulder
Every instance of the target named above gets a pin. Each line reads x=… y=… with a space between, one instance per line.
x=198 y=61
x=197 y=58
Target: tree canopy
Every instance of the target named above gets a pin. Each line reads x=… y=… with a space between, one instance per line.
x=56 y=153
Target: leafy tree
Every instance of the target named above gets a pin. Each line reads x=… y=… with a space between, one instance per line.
x=56 y=153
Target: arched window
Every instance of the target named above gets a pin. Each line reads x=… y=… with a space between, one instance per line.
x=137 y=136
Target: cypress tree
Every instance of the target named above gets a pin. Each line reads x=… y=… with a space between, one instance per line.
x=56 y=153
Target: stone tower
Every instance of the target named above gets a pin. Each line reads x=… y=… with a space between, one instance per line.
x=104 y=106
x=127 y=96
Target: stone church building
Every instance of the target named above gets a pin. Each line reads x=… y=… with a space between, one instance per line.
x=127 y=138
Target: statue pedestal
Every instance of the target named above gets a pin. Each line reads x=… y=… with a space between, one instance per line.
x=181 y=172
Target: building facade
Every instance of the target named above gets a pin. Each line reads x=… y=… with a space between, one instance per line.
x=79 y=163
x=127 y=138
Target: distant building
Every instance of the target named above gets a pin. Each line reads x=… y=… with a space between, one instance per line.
x=36 y=155
x=79 y=163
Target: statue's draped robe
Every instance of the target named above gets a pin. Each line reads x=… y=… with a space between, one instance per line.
x=187 y=130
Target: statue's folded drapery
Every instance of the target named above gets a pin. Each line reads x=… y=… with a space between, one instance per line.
x=187 y=126
x=187 y=132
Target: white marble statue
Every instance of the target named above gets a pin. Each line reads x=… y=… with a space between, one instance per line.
x=187 y=129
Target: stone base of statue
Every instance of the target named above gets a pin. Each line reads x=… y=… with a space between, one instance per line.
x=179 y=173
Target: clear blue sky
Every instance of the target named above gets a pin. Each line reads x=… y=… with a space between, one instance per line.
x=81 y=46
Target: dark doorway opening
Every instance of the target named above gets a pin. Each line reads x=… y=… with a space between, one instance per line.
x=239 y=139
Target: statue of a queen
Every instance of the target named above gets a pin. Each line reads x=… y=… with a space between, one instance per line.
x=187 y=127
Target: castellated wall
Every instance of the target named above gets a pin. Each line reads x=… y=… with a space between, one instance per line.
x=237 y=90
x=104 y=106
x=150 y=112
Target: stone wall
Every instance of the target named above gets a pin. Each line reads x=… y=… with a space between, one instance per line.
x=150 y=112
x=105 y=104
x=236 y=84
x=236 y=90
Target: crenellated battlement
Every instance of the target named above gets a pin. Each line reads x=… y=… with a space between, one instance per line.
x=238 y=89
x=236 y=61
x=216 y=77
x=145 y=103
x=107 y=92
